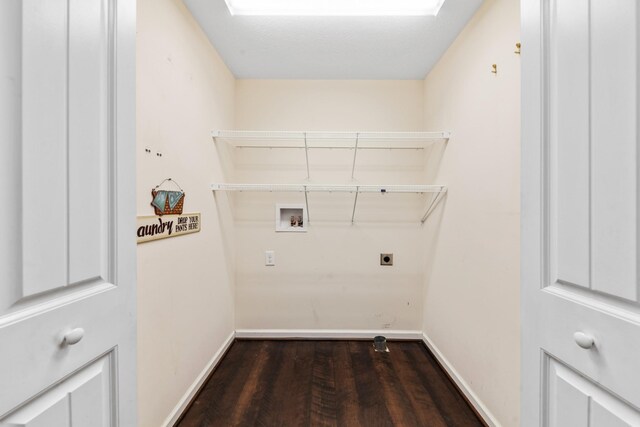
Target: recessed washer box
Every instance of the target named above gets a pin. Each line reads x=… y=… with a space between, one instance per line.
x=291 y=218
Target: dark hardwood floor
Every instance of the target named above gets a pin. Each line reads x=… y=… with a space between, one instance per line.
x=328 y=383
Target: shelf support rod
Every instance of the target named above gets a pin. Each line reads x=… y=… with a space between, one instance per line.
x=306 y=153
x=306 y=201
x=355 y=152
x=355 y=202
x=433 y=204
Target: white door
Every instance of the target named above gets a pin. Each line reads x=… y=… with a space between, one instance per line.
x=67 y=248
x=580 y=213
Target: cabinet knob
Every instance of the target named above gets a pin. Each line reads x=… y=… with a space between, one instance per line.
x=73 y=336
x=584 y=340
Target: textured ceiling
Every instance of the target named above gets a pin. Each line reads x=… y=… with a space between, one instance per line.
x=274 y=47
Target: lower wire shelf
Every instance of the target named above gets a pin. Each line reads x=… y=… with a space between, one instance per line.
x=437 y=190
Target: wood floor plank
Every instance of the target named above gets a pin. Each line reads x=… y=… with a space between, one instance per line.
x=280 y=395
x=323 y=387
x=297 y=411
x=328 y=383
x=451 y=404
x=346 y=394
x=424 y=408
x=396 y=399
x=372 y=406
x=245 y=397
x=262 y=393
x=210 y=408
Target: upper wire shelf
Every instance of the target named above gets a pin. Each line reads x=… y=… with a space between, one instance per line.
x=329 y=140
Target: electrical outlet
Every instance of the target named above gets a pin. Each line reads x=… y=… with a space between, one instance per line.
x=386 y=259
x=270 y=258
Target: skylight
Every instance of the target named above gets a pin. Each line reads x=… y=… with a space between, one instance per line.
x=335 y=7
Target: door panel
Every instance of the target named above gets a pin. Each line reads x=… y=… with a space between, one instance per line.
x=614 y=105
x=42 y=354
x=43 y=121
x=81 y=400
x=66 y=163
x=11 y=160
x=612 y=362
x=569 y=123
x=580 y=212
x=67 y=259
x=592 y=73
x=89 y=159
x=575 y=401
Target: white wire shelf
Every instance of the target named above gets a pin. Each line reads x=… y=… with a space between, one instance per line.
x=311 y=140
x=437 y=190
x=320 y=188
x=329 y=140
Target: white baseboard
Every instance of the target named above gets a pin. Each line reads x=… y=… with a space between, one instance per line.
x=332 y=334
x=482 y=410
x=193 y=389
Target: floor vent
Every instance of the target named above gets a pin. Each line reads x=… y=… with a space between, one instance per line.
x=380 y=344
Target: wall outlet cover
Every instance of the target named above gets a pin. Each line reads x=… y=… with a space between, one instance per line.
x=269 y=258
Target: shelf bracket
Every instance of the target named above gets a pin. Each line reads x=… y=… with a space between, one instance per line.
x=355 y=202
x=433 y=204
x=306 y=153
x=355 y=152
x=306 y=201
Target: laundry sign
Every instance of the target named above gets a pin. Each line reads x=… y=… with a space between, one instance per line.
x=155 y=227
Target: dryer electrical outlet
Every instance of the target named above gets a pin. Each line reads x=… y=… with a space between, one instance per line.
x=386 y=259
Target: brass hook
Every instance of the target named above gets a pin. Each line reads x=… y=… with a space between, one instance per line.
x=494 y=68
x=518 y=46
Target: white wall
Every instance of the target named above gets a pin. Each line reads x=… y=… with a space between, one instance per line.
x=185 y=284
x=471 y=300
x=329 y=277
